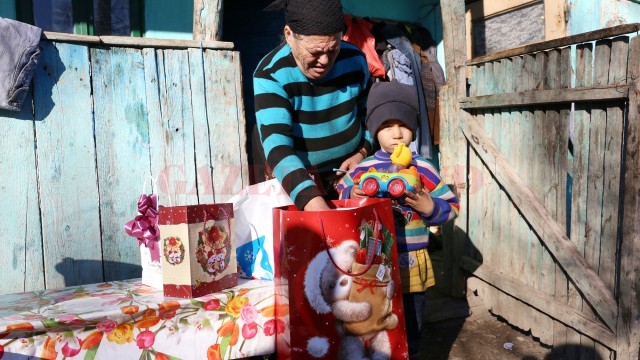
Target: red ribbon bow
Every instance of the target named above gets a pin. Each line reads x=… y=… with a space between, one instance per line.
x=368 y=285
x=144 y=226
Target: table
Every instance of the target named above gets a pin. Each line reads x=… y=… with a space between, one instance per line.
x=128 y=320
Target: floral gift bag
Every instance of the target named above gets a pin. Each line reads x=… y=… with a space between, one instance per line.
x=198 y=251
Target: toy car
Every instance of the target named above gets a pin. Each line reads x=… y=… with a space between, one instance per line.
x=381 y=184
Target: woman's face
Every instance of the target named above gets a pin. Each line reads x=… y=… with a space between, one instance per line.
x=314 y=54
x=392 y=133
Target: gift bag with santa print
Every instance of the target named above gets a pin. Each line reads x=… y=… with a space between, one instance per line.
x=337 y=270
x=198 y=251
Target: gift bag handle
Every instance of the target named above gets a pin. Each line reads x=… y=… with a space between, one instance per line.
x=369 y=260
x=208 y=216
x=155 y=182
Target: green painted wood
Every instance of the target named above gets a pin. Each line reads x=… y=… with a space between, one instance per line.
x=21 y=261
x=122 y=140
x=201 y=133
x=67 y=167
x=8 y=9
x=226 y=122
x=171 y=133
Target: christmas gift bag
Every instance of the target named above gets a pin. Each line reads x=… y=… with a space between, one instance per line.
x=198 y=256
x=253 y=227
x=144 y=227
x=337 y=271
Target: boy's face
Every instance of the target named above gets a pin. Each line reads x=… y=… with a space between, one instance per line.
x=393 y=132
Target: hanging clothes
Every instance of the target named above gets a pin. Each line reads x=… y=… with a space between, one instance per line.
x=19 y=54
x=396 y=39
x=359 y=34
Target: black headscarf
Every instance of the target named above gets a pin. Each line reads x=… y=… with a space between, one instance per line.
x=311 y=17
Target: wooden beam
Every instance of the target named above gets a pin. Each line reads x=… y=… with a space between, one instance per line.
x=555 y=96
x=556 y=43
x=128 y=41
x=548 y=230
x=537 y=299
x=629 y=314
x=207 y=20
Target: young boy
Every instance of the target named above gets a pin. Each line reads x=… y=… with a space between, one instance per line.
x=392 y=119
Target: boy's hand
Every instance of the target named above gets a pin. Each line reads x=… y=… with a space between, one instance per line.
x=420 y=201
x=356 y=192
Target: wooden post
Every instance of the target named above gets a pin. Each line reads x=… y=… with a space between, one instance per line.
x=452 y=143
x=629 y=309
x=207 y=20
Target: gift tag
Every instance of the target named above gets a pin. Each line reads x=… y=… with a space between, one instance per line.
x=381 y=272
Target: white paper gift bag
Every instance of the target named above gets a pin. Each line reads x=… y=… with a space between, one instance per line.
x=144 y=227
x=254 y=227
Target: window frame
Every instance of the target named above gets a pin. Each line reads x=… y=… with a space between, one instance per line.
x=555 y=25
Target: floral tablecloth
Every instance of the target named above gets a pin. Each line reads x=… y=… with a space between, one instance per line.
x=127 y=320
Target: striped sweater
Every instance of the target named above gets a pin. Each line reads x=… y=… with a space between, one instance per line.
x=305 y=124
x=412 y=230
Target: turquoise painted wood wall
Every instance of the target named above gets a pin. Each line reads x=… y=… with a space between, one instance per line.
x=589 y=15
x=177 y=26
x=99 y=122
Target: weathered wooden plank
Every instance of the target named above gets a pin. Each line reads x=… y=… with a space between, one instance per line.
x=242 y=122
x=207 y=20
x=171 y=134
x=505 y=226
x=68 y=183
x=557 y=96
x=557 y=189
x=595 y=176
x=202 y=155
x=545 y=138
x=582 y=124
x=122 y=140
x=455 y=149
x=541 y=301
x=21 y=258
x=628 y=330
x=139 y=42
x=557 y=43
x=225 y=123
x=551 y=233
x=154 y=116
x=612 y=158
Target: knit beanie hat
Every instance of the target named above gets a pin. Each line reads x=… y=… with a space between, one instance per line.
x=392 y=100
x=311 y=17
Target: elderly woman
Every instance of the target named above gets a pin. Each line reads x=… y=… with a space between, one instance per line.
x=310 y=94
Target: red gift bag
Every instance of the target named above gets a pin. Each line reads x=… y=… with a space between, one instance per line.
x=338 y=282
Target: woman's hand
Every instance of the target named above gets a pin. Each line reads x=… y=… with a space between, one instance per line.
x=317 y=203
x=352 y=162
x=420 y=201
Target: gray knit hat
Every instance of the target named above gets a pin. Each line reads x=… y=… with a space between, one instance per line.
x=392 y=100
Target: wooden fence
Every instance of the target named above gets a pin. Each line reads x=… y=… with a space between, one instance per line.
x=101 y=119
x=542 y=145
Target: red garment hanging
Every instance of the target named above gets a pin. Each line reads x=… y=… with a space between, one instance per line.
x=359 y=34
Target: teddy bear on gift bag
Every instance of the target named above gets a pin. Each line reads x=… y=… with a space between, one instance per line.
x=329 y=290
